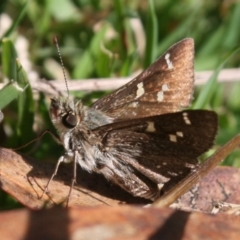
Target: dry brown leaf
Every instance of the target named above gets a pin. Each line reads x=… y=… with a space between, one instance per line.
x=220 y=185
x=25 y=178
x=122 y=222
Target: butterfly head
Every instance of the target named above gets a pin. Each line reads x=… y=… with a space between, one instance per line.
x=65 y=114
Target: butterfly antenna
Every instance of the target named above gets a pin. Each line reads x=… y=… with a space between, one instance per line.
x=55 y=41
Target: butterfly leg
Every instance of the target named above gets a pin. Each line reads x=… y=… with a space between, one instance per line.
x=65 y=158
x=76 y=159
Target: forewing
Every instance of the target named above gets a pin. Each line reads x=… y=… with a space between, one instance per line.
x=165 y=146
x=163 y=87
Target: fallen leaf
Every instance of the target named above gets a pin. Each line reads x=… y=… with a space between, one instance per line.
x=119 y=222
x=25 y=179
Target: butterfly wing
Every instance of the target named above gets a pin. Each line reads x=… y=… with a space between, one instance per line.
x=157 y=90
x=163 y=149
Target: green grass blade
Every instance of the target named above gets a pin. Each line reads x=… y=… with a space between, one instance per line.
x=17 y=20
x=151 y=39
x=208 y=90
x=9 y=56
x=176 y=35
x=8 y=93
x=25 y=107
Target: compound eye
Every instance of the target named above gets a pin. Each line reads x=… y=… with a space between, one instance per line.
x=69 y=120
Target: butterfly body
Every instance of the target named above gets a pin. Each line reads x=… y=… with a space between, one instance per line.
x=136 y=136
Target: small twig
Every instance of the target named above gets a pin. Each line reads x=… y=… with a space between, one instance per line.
x=103 y=84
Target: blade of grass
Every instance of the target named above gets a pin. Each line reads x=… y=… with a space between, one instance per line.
x=25 y=107
x=119 y=11
x=9 y=92
x=151 y=40
x=231 y=37
x=15 y=87
x=9 y=56
x=208 y=90
x=179 y=33
x=17 y=20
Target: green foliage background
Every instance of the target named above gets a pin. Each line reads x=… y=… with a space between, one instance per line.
x=97 y=40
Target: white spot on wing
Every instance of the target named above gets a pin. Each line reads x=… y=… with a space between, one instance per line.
x=189 y=165
x=160 y=94
x=173 y=138
x=165 y=87
x=150 y=127
x=140 y=90
x=168 y=61
x=186 y=119
x=180 y=134
x=134 y=104
x=172 y=173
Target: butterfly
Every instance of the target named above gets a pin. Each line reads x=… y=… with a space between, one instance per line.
x=138 y=136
